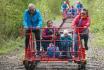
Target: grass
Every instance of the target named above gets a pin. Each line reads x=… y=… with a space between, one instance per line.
x=96 y=12
x=95 y=8
x=11 y=45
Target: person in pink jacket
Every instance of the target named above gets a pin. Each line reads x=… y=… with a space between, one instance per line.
x=81 y=24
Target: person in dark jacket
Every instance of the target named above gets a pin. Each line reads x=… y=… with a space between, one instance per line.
x=48 y=35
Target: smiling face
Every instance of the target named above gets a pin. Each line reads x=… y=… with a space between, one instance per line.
x=31 y=8
x=31 y=11
x=84 y=14
x=65 y=33
x=49 y=23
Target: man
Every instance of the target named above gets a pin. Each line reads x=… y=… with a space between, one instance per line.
x=81 y=24
x=32 y=19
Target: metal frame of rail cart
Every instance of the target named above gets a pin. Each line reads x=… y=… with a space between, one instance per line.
x=31 y=60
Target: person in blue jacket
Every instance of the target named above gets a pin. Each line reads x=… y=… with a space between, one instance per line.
x=72 y=12
x=79 y=7
x=64 y=6
x=53 y=51
x=32 y=19
x=66 y=43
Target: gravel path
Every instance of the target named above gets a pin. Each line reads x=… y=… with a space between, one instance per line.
x=95 y=60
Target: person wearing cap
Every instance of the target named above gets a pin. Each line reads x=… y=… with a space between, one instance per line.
x=81 y=24
x=32 y=18
x=66 y=43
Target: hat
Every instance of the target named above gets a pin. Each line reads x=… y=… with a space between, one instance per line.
x=65 y=32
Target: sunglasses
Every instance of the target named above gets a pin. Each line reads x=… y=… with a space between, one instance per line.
x=83 y=14
x=31 y=10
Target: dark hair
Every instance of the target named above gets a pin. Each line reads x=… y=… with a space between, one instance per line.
x=85 y=11
x=49 y=21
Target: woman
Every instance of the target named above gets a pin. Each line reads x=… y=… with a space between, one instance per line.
x=81 y=24
x=49 y=35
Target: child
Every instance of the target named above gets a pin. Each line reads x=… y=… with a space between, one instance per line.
x=66 y=42
x=53 y=51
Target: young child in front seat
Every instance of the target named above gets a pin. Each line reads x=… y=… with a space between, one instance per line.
x=66 y=43
x=53 y=51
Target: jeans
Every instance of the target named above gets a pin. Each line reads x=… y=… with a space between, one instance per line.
x=82 y=37
x=37 y=37
x=45 y=44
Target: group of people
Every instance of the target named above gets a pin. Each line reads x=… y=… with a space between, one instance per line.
x=52 y=42
x=69 y=11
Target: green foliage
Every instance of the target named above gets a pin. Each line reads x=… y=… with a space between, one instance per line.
x=11 y=14
x=96 y=12
x=10 y=20
x=12 y=11
x=11 y=45
x=50 y=8
x=54 y=6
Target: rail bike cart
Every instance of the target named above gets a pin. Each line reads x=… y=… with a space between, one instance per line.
x=31 y=59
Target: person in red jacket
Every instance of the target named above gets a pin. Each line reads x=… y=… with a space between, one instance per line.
x=81 y=24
